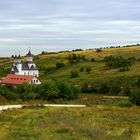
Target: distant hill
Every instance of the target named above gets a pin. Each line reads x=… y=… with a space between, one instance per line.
x=47 y=64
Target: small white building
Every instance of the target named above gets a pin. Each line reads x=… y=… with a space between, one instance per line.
x=24 y=68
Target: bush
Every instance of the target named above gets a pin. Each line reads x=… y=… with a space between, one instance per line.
x=59 y=65
x=92 y=60
x=49 y=70
x=67 y=91
x=119 y=62
x=107 y=87
x=53 y=90
x=74 y=74
x=88 y=70
x=138 y=82
x=48 y=90
x=86 y=88
x=134 y=97
x=99 y=50
x=82 y=69
x=74 y=58
x=123 y=103
x=114 y=87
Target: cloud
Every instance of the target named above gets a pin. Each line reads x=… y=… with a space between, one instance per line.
x=67 y=24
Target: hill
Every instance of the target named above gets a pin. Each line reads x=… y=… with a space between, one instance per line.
x=99 y=71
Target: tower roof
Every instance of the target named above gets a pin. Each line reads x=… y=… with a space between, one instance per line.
x=19 y=57
x=15 y=56
x=29 y=54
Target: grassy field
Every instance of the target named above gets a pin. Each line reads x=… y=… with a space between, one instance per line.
x=102 y=119
x=98 y=122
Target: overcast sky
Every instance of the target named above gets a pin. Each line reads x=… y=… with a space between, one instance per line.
x=54 y=25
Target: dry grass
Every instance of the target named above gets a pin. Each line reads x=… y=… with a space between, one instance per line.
x=97 y=122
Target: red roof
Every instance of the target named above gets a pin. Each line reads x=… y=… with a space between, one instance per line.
x=13 y=79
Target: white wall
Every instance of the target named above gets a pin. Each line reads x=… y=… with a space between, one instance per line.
x=35 y=81
x=29 y=59
x=26 y=72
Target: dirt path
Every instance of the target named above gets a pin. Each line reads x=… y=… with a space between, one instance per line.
x=5 y=107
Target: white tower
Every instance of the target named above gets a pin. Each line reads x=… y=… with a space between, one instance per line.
x=29 y=56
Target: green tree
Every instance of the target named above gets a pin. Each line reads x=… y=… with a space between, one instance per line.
x=88 y=70
x=134 y=97
x=48 y=90
x=74 y=74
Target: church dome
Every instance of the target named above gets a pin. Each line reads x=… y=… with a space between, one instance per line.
x=29 y=54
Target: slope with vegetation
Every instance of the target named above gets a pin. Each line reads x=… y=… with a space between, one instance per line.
x=97 y=73
x=110 y=71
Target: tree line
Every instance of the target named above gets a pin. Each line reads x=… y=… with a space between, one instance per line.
x=49 y=90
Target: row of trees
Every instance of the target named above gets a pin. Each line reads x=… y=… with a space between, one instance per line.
x=49 y=90
x=115 y=87
x=119 y=62
x=74 y=58
x=51 y=69
x=75 y=73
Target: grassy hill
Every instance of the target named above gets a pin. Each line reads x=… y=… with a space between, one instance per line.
x=104 y=118
x=99 y=71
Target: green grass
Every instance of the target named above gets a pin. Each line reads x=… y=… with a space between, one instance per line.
x=99 y=71
x=91 y=123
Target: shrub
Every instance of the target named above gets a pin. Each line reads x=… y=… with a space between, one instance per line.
x=82 y=69
x=99 y=50
x=134 y=97
x=48 y=90
x=138 y=82
x=88 y=70
x=86 y=87
x=67 y=91
x=49 y=70
x=114 y=87
x=119 y=62
x=123 y=103
x=59 y=65
x=92 y=60
x=74 y=58
x=74 y=74
x=126 y=91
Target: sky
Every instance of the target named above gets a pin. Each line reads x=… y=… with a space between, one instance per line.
x=54 y=25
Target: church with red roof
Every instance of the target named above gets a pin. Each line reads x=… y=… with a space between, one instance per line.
x=22 y=72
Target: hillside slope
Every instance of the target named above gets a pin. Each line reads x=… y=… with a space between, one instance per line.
x=99 y=71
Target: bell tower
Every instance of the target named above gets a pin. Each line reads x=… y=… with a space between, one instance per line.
x=29 y=56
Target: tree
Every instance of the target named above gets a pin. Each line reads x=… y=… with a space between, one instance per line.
x=74 y=74
x=138 y=82
x=59 y=65
x=67 y=91
x=134 y=97
x=92 y=60
x=48 y=90
x=99 y=50
x=82 y=69
x=88 y=70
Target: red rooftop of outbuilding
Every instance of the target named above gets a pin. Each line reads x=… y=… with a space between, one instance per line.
x=13 y=79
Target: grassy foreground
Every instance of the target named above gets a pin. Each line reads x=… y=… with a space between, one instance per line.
x=98 y=122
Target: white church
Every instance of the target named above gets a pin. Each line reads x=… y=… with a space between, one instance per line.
x=24 y=68
x=22 y=72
